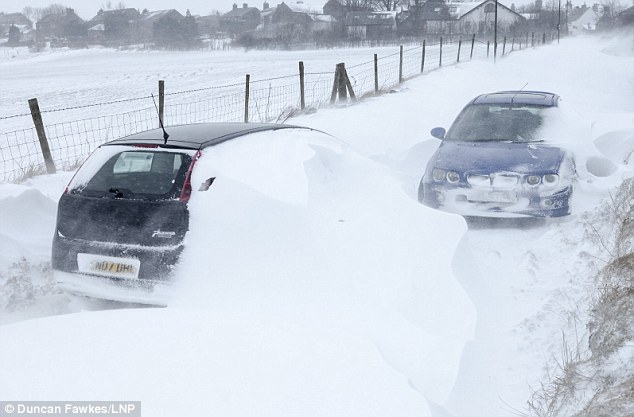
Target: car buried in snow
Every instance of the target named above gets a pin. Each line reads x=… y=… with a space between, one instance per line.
x=494 y=162
x=122 y=219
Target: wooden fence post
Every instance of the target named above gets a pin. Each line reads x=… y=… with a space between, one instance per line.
x=440 y=60
x=376 y=73
x=341 y=86
x=302 y=97
x=348 y=83
x=459 y=47
x=41 y=135
x=246 y=99
x=544 y=42
x=161 y=105
x=472 y=46
x=335 y=86
x=422 y=62
x=488 y=47
x=400 y=64
x=504 y=47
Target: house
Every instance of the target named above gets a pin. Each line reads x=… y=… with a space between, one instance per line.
x=626 y=18
x=12 y=22
x=430 y=17
x=294 y=20
x=240 y=20
x=586 y=20
x=370 y=25
x=113 y=25
x=479 y=18
x=208 y=25
x=66 y=25
x=165 y=28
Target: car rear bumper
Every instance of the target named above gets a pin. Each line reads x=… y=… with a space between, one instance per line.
x=156 y=262
x=121 y=290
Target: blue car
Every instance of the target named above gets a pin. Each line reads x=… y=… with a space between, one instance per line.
x=494 y=162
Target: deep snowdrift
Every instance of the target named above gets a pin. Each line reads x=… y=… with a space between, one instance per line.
x=314 y=283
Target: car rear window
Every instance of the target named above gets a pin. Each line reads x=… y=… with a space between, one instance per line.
x=494 y=122
x=132 y=173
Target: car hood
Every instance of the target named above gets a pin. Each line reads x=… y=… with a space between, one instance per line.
x=495 y=157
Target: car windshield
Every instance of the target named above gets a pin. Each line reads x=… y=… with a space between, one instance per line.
x=135 y=174
x=498 y=123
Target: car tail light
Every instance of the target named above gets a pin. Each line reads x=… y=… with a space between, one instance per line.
x=186 y=192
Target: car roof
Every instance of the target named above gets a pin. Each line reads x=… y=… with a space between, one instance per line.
x=197 y=136
x=535 y=98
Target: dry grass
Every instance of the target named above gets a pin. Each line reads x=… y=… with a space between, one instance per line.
x=600 y=383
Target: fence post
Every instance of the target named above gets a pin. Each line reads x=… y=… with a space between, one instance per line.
x=544 y=41
x=488 y=48
x=161 y=109
x=440 y=60
x=400 y=64
x=422 y=62
x=341 y=85
x=41 y=135
x=459 y=47
x=335 y=86
x=348 y=84
x=533 y=39
x=376 y=73
x=246 y=99
x=526 y=43
x=504 y=47
x=302 y=97
x=472 y=46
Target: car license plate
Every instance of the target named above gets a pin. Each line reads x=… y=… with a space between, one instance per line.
x=108 y=266
x=496 y=196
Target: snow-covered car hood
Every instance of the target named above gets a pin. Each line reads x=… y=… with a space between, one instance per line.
x=495 y=157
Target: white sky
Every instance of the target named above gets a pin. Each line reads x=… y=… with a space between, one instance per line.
x=87 y=9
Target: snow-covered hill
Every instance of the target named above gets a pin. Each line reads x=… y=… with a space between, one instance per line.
x=313 y=283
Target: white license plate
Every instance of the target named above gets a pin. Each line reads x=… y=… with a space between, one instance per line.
x=495 y=197
x=108 y=266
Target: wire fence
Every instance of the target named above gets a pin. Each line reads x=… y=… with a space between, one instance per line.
x=268 y=100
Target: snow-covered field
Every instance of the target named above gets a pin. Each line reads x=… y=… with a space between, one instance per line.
x=313 y=283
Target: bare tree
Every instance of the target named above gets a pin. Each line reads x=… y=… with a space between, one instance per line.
x=387 y=5
x=36 y=13
x=358 y=5
x=611 y=8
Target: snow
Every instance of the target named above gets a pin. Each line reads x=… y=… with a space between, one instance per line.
x=313 y=282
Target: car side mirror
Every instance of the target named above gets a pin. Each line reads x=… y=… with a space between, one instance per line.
x=205 y=185
x=438 y=132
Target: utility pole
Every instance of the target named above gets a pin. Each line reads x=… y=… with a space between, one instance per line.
x=495 y=33
x=559 y=22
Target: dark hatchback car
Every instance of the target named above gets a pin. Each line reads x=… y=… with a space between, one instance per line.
x=493 y=161
x=123 y=216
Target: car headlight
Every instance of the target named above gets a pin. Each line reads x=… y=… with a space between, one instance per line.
x=533 y=180
x=551 y=179
x=453 y=177
x=438 y=174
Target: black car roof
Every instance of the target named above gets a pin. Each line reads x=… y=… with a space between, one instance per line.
x=197 y=136
x=535 y=98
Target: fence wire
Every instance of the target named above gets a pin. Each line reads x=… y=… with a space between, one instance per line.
x=270 y=100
